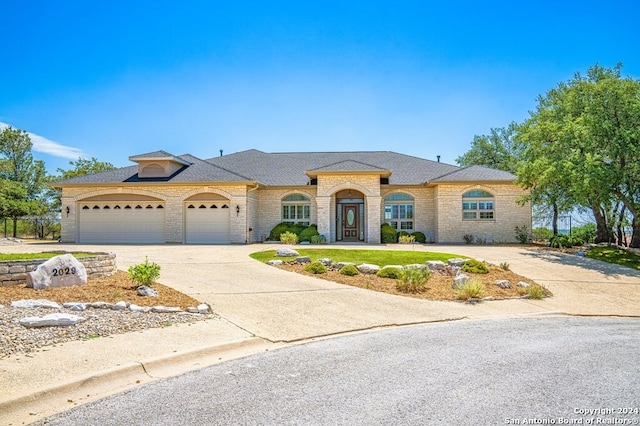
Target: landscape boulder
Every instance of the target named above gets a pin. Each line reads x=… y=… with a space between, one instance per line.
x=367 y=268
x=460 y=281
x=435 y=265
x=503 y=284
x=59 y=271
x=274 y=262
x=286 y=252
x=457 y=262
x=51 y=320
x=325 y=261
x=144 y=290
x=303 y=259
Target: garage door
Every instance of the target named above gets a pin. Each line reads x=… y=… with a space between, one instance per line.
x=207 y=223
x=128 y=222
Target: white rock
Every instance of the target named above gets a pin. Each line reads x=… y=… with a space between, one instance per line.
x=120 y=306
x=144 y=290
x=460 y=281
x=503 y=284
x=192 y=310
x=456 y=262
x=51 y=320
x=102 y=305
x=436 y=265
x=135 y=308
x=75 y=306
x=367 y=268
x=203 y=308
x=166 y=309
x=325 y=261
x=286 y=252
x=523 y=284
x=275 y=262
x=60 y=271
x=35 y=303
x=416 y=265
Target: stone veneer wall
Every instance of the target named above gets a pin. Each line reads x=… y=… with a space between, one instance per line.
x=15 y=271
x=174 y=197
x=507 y=214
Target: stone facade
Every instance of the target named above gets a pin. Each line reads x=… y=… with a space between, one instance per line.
x=15 y=272
x=437 y=208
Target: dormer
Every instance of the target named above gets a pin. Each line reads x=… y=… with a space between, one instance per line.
x=158 y=164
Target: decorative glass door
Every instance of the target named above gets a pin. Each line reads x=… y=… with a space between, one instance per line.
x=350 y=221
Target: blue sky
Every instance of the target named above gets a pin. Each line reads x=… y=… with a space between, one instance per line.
x=115 y=79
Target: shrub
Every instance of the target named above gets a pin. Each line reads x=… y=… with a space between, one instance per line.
x=289 y=238
x=563 y=240
x=541 y=234
x=277 y=230
x=419 y=237
x=468 y=238
x=307 y=233
x=475 y=267
x=413 y=279
x=504 y=266
x=318 y=239
x=402 y=234
x=316 y=268
x=349 y=270
x=474 y=288
x=388 y=234
x=145 y=273
x=406 y=239
x=394 y=273
x=586 y=233
x=535 y=291
x=522 y=234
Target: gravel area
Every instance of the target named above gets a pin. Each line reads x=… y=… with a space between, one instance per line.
x=17 y=339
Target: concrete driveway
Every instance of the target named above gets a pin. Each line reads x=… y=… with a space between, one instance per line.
x=284 y=307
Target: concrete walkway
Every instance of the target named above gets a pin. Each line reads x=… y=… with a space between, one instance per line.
x=262 y=307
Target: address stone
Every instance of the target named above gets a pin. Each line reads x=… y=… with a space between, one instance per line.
x=60 y=271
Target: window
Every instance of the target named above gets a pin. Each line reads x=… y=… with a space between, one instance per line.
x=296 y=208
x=398 y=212
x=477 y=205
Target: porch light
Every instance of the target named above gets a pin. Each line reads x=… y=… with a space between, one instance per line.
x=68 y=210
x=237 y=210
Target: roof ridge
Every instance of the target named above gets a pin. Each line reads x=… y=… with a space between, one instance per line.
x=209 y=163
x=346 y=161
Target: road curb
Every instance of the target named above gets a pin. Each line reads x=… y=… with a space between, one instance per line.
x=45 y=402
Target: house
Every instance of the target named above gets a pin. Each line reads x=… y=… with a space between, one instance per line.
x=239 y=198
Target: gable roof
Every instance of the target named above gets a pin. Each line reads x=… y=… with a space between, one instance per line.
x=295 y=169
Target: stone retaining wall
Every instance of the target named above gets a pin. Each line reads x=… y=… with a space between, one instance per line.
x=15 y=271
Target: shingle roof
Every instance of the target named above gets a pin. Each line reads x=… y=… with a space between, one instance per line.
x=290 y=168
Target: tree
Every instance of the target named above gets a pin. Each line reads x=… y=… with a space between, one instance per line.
x=81 y=167
x=497 y=150
x=582 y=144
x=21 y=176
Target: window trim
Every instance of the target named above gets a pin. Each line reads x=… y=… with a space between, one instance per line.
x=297 y=204
x=399 y=200
x=477 y=203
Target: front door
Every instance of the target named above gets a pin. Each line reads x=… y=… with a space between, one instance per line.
x=350 y=218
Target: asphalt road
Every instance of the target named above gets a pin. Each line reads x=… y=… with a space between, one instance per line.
x=517 y=371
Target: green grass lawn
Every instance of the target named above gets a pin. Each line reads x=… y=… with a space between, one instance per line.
x=615 y=255
x=43 y=255
x=376 y=257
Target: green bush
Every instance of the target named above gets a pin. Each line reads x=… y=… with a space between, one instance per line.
x=586 y=233
x=522 y=234
x=349 y=270
x=419 y=237
x=402 y=234
x=413 y=279
x=541 y=234
x=534 y=291
x=145 y=273
x=308 y=233
x=280 y=228
x=563 y=240
x=474 y=288
x=316 y=268
x=318 y=239
x=388 y=234
x=289 y=238
x=394 y=273
x=504 y=266
x=473 y=266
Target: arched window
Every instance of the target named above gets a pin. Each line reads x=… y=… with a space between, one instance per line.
x=477 y=205
x=296 y=208
x=398 y=211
